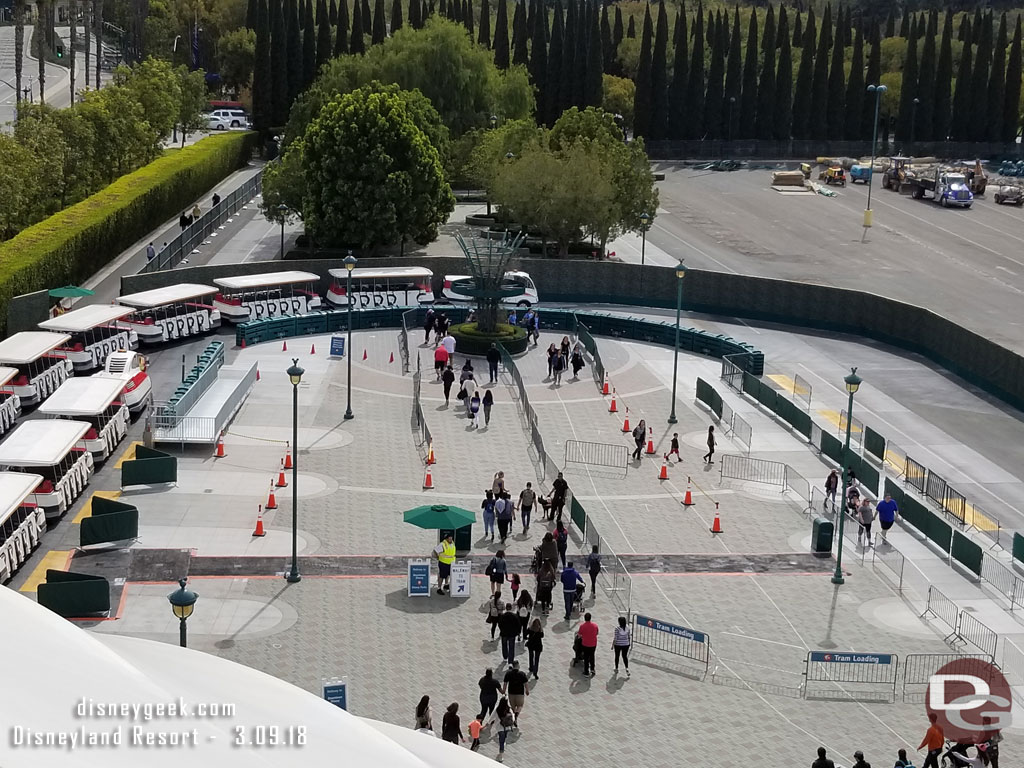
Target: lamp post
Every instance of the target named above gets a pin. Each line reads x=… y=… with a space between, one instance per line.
x=282 y=210
x=878 y=90
x=295 y=376
x=644 y=218
x=913 y=120
x=852 y=383
x=182 y=602
x=494 y=124
x=728 y=118
x=680 y=274
x=350 y=264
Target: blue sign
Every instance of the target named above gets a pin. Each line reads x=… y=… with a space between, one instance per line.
x=846 y=657
x=672 y=629
x=419 y=578
x=337 y=346
x=336 y=692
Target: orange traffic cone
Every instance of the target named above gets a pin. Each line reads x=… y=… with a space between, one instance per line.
x=688 y=498
x=625 y=422
x=430 y=455
x=287 y=456
x=257 y=374
x=284 y=346
x=259 y=524
x=604 y=389
x=312 y=349
x=650 y=439
x=281 y=482
x=613 y=408
x=364 y=354
x=220 y=447
x=242 y=345
x=392 y=358
x=663 y=475
x=271 y=500
x=716 y=527
x=428 y=480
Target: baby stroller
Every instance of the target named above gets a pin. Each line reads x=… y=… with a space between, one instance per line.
x=577 y=601
x=577 y=650
x=535 y=562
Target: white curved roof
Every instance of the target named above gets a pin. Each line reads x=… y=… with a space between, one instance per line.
x=169 y=294
x=78 y=320
x=82 y=396
x=41 y=442
x=15 y=488
x=382 y=272
x=265 y=280
x=26 y=346
x=110 y=669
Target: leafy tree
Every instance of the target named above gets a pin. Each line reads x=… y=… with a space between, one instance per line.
x=341 y=35
x=18 y=186
x=942 y=100
x=296 y=72
x=748 y=97
x=192 y=100
x=677 y=90
x=642 y=103
x=309 y=65
x=733 y=78
x=357 y=44
x=493 y=146
x=396 y=16
x=552 y=106
x=1011 y=95
x=836 y=91
x=519 y=53
x=977 y=128
x=784 y=92
x=262 y=100
x=501 y=51
x=819 y=85
x=764 y=123
x=126 y=140
x=855 y=90
x=618 y=96
x=485 y=24
x=278 y=64
x=695 y=82
x=715 y=93
x=236 y=53
x=997 y=84
x=659 y=77
x=923 y=127
x=153 y=84
x=380 y=28
x=961 y=116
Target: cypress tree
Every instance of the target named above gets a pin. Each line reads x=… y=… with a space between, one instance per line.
x=997 y=84
x=837 y=90
x=855 y=88
x=748 y=98
x=516 y=14
x=617 y=31
x=606 y=42
x=695 y=81
x=552 y=106
x=659 y=77
x=784 y=92
x=976 y=25
x=804 y=82
x=631 y=29
x=1011 y=93
x=594 y=86
x=979 y=83
x=890 y=25
x=906 y=119
x=942 y=99
x=715 y=94
x=810 y=38
x=332 y=12
x=642 y=99
x=819 y=84
x=323 y=34
x=905 y=27
x=826 y=27
x=677 y=90
x=367 y=16
x=579 y=59
x=873 y=77
x=484 y=37
x=379 y=31
x=341 y=36
x=798 y=33
x=961 y=117
x=733 y=78
x=467 y=17
x=764 y=122
x=519 y=51
x=566 y=89
x=262 y=104
x=501 y=60
x=926 y=87
x=531 y=13
x=442 y=9
x=279 y=64
x=252 y=11
x=709 y=30
x=426 y=11
x=455 y=10
x=296 y=70
x=964 y=33
x=308 y=45
x=396 y=16
x=539 y=62
x=357 y=43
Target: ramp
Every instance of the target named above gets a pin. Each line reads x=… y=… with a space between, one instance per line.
x=211 y=412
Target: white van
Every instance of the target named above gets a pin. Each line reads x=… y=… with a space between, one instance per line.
x=526 y=296
x=22 y=521
x=96 y=400
x=49 y=448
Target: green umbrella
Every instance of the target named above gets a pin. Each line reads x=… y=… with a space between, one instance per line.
x=70 y=292
x=438 y=516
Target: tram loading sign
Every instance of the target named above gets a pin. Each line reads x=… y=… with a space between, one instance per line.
x=835 y=657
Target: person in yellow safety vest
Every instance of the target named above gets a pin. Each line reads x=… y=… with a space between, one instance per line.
x=445 y=554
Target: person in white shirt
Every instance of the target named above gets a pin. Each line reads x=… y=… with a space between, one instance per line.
x=620 y=644
x=865 y=516
x=448 y=342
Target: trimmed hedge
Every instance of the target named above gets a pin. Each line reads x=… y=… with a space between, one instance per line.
x=73 y=244
x=470 y=341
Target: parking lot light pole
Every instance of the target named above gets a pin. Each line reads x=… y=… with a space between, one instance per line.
x=350 y=263
x=680 y=274
x=295 y=376
x=852 y=383
x=644 y=218
x=878 y=90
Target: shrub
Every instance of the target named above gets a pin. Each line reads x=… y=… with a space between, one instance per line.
x=73 y=244
x=469 y=340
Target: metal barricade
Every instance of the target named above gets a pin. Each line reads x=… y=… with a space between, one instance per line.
x=887 y=555
x=935 y=487
x=1012 y=666
x=742 y=431
x=725 y=422
x=590 y=345
x=915 y=474
x=1003 y=580
x=955 y=504
x=797 y=483
x=945 y=610
x=918 y=669
x=802 y=392
x=980 y=520
x=856 y=429
x=895 y=459
x=978 y=634
x=673 y=639
x=815 y=438
x=755 y=470
x=596 y=454
x=846 y=676
x=732 y=374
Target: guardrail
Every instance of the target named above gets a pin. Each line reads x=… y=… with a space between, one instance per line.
x=614 y=455
x=918 y=669
x=419 y=421
x=690 y=644
x=755 y=470
x=871 y=675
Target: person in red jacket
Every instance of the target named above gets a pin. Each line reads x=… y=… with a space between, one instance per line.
x=588 y=636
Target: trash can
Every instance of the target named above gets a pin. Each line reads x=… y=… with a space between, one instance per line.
x=463 y=537
x=821 y=537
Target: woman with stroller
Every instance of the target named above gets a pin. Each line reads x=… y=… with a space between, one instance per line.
x=561 y=540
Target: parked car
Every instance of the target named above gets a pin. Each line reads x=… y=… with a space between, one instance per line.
x=222 y=119
x=1010 y=193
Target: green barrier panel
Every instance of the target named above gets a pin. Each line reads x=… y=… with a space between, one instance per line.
x=110 y=521
x=149 y=467
x=1018 y=548
x=940 y=532
x=874 y=443
x=915 y=513
x=831 y=447
x=866 y=474
x=578 y=515
x=896 y=491
x=751 y=385
x=716 y=403
x=704 y=391
x=74 y=594
x=766 y=396
x=967 y=553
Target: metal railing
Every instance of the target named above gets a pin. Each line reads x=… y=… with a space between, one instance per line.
x=976 y=633
x=673 y=639
x=613 y=455
x=1004 y=581
x=189 y=239
x=916 y=474
x=918 y=669
x=755 y=470
x=945 y=610
x=935 y=487
x=614 y=579
x=1012 y=665
x=895 y=459
x=419 y=421
x=848 y=676
x=170 y=428
x=590 y=345
x=403 y=341
x=893 y=560
x=802 y=391
x=797 y=483
x=742 y=430
x=732 y=374
x=546 y=467
x=167 y=414
x=856 y=429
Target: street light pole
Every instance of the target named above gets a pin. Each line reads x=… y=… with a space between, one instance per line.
x=852 y=383
x=182 y=602
x=644 y=218
x=728 y=119
x=680 y=274
x=878 y=90
x=295 y=376
x=282 y=209
x=913 y=121
x=494 y=124
x=350 y=263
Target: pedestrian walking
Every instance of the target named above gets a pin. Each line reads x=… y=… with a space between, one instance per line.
x=887 y=512
x=216 y=199
x=424 y=720
x=451 y=728
x=488 y=401
x=558 y=490
x=934 y=739
x=196 y=213
x=508 y=630
x=473 y=729
x=535 y=327
x=512 y=318
x=493 y=358
x=593 y=568
x=865 y=516
x=184 y=221
x=822 y=761
x=902 y=761
x=552 y=352
x=570 y=578
x=674 y=450
x=428 y=325
x=489 y=690
x=516 y=689
x=469 y=388
x=831 y=487
x=535 y=646
x=993 y=737
x=588 y=635
x=150 y=252
x=498 y=483
x=859 y=761
x=545 y=586
x=487 y=506
x=441 y=358
x=444 y=552
x=505 y=722
x=448 y=342
x=711 y=445
x=497 y=569
x=548 y=550
x=639 y=433
x=558 y=367
x=564 y=348
x=577 y=361
x=447 y=379
x=524 y=608
x=561 y=540
x=441 y=324
x=494 y=611
x=505 y=514
x=527 y=498
x=621 y=641
x=474 y=410
x=515 y=583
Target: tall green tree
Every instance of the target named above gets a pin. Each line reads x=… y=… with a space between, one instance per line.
x=764 y=122
x=467 y=17
x=826 y=27
x=617 y=31
x=715 y=93
x=606 y=42
x=997 y=83
x=357 y=44
x=579 y=59
x=748 y=98
x=906 y=118
x=593 y=92
x=961 y=116
x=262 y=100
x=396 y=16
x=905 y=26
x=539 y=62
x=341 y=35
x=942 y=101
x=978 y=129
x=484 y=35
x=642 y=100
x=855 y=87
x=501 y=50
x=659 y=76
x=380 y=27
x=819 y=84
x=323 y=34
x=296 y=73
x=531 y=14
x=926 y=87
x=332 y=12
x=798 y=32
x=734 y=78
x=367 y=16
x=279 y=64
x=519 y=50
x=631 y=28
x=1011 y=95
x=552 y=106
x=308 y=44
x=570 y=49
x=677 y=90
x=804 y=82
x=784 y=92
x=415 y=20
x=837 y=90
x=695 y=81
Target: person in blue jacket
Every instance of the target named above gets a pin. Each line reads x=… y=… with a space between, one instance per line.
x=570 y=578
